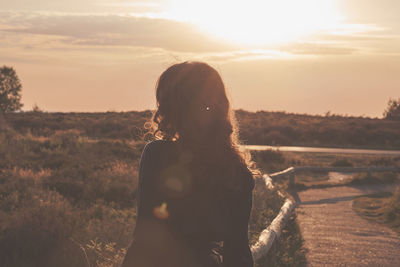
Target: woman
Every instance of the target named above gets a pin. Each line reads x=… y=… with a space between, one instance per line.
x=195 y=188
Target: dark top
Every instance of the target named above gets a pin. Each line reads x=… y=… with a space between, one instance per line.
x=199 y=228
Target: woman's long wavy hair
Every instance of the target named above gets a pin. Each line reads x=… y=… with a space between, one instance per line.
x=215 y=144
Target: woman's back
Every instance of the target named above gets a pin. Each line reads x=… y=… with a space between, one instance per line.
x=195 y=186
x=185 y=218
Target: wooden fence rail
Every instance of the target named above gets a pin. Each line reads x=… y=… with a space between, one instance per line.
x=293 y=170
x=273 y=231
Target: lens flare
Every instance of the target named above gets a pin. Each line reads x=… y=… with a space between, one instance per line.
x=161 y=211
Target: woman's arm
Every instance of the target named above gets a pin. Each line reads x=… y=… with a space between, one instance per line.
x=236 y=251
x=140 y=250
x=146 y=196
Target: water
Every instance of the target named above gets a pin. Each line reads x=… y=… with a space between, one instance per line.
x=322 y=150
x=339 y=176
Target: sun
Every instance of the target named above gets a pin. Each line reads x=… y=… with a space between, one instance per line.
x=255 y=22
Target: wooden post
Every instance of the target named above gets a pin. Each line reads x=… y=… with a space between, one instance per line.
x=292 y=189
x=291 y=180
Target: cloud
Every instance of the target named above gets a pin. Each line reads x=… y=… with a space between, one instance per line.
x=345 y=39
x=98 y=6
x=46 y=5
x=114 y=30
x=73 y=34
x=318 y=49
x=138 y=6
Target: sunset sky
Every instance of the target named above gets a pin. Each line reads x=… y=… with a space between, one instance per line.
x=302 y=56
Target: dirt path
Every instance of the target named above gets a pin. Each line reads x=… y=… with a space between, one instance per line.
x=336 y=236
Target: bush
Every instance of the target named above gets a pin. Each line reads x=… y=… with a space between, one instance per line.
x=392 y=213
x=40 y=227
x=393 y=109
x=37 y=230
x=269 y=160
x=342 y=163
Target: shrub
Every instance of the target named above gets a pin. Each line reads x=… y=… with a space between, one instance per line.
x=342 y=163
x=269 y=160
x=392 y=213
x=392 y=110
x=37 y=230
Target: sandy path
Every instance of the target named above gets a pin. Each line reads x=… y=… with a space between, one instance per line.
x=336 y=236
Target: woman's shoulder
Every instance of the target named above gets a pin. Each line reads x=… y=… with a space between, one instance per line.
x=159 y=144
x=157 y=148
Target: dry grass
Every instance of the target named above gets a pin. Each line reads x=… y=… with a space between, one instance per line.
x=382 y=208
x=75 y=175
x=64 y=186
x=36 y=176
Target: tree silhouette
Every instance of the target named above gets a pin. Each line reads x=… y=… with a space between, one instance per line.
x=392 y=110
x=10 y=88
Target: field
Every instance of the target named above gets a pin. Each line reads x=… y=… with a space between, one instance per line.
x=68 y=199
x=68 y=181
x=262 y=128
x=280 y=128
